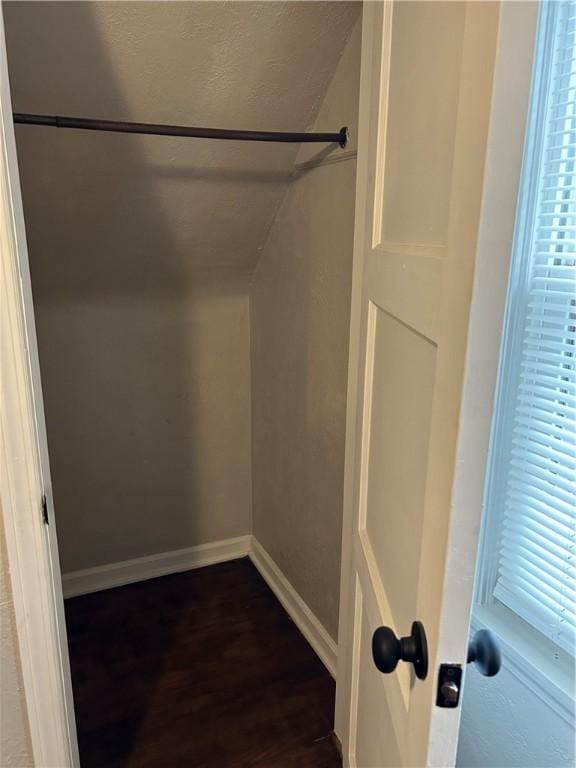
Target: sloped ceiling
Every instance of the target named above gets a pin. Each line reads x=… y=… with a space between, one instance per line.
x=109 y=212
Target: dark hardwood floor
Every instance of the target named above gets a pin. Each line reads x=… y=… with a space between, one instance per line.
x=202 y=668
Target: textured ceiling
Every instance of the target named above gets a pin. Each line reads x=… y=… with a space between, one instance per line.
x=113 y=211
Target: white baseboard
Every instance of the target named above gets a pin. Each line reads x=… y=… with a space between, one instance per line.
x=142 y=568
x=299 y=612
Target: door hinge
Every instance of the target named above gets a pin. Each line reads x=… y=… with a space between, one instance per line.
x=45 y=510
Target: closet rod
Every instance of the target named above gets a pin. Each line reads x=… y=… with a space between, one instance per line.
x=341 y=137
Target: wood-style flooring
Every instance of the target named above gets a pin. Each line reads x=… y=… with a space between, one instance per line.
x=199 y=669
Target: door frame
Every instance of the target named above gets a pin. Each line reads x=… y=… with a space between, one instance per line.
x=25 y=478
x=502 y=170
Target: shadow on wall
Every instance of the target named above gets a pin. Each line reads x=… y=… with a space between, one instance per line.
x=140 y=281
x=142 y=337
x=138 y=351
x=141 y=250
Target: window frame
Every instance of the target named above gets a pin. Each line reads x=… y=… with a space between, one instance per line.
x=541 y=664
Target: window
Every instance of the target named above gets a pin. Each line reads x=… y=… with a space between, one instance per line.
x=528 y=560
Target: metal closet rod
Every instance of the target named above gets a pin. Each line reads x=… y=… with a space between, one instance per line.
x=341 y=137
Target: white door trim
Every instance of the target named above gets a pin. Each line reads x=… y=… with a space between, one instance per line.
x=346 y=677
x=509 y=108
x=36 y=589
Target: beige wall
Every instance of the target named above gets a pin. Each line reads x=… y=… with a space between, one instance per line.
x=299 y=305
x=15 y=746
x=119 y=203
x=141 y=249
x=148 y=414
x=140 y=266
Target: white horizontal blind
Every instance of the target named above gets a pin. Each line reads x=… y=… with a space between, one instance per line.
x=536 y=576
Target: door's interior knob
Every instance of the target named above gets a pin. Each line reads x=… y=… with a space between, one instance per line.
x=484 y=651
x=388 y=650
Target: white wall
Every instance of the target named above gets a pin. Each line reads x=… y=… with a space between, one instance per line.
x=505 y=725
x=15 y=745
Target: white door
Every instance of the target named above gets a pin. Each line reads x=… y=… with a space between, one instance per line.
x=426 y=85
x=25 y=478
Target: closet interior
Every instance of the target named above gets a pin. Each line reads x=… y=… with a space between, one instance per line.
x=192 y=302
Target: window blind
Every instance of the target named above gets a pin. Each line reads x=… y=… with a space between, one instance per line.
x=536 y=576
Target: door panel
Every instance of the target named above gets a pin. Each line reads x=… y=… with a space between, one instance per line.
x=376 y=736
x=400 y=282
x=399 y=396
x=425 y=53
x=425 y=102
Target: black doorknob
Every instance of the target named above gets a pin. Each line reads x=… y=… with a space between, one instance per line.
x=484 y=651
x=388 y=650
